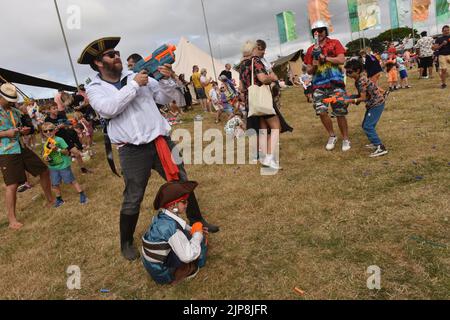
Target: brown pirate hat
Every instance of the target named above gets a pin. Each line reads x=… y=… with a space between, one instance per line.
x=171 y=191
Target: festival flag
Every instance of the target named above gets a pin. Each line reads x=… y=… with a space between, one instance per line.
x=400 y=11
x=318 y=10
x=369 y=14
x=394 y=14
x=353 y=15
x=421 y=10
x=286 y=26
x=442 y=11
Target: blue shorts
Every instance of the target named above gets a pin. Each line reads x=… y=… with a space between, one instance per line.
x=65 y=175
x=228 y=108
x=201 y=93
x=403 y=74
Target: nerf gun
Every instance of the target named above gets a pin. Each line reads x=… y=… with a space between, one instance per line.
x=161 y=56
x=47 y=149
x=316 y=50
x=338 y=98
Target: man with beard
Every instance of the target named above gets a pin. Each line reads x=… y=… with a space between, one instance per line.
x=15 y=158
x=128 y=101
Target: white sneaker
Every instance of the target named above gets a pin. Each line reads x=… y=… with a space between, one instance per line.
x=274 y=165
x=266 y=161
x=331 y=143
x=346 y=145
x=370 y=146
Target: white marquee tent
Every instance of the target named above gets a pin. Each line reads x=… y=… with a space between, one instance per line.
x=187 y=55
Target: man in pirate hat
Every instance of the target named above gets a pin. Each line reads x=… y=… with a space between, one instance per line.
x=172 y=250
x=16 y=158
x=128 y=101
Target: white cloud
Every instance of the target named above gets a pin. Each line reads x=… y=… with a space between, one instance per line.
x=35 y=45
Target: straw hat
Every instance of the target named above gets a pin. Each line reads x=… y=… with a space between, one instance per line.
x=9 y=92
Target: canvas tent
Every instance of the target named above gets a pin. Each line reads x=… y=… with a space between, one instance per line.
x=187 y=55
x=291 y=62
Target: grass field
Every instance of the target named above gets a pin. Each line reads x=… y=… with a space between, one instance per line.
x=317 y=225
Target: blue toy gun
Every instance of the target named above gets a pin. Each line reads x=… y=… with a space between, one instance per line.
x=161 y=56
x=317 y=50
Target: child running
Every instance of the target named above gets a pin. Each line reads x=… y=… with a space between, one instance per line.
x=369 y=93
x=403 y=72
x=57 y=156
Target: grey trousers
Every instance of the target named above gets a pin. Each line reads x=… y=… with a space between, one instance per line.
x=137 y=162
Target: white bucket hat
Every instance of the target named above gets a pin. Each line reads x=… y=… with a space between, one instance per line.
x=8 y=92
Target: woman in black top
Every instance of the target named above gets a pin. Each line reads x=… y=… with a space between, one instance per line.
x=371 y=65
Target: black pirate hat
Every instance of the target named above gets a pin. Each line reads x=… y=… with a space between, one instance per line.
x=95 y=48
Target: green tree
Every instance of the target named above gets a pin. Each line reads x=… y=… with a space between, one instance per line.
x=397 y=34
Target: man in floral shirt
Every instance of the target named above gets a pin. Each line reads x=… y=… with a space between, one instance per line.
x=424 y=45
x=16 y=158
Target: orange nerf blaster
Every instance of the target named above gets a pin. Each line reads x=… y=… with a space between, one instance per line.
x=161 y=56
x=339 y=97
x=198 y=226
x=47 y=149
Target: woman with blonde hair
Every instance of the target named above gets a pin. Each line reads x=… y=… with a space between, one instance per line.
x=273 y=125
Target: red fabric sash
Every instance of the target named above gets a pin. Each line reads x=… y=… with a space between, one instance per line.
x=165 y=156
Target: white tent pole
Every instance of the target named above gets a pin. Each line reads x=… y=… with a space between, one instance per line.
x=209 y=40
x=65 y=41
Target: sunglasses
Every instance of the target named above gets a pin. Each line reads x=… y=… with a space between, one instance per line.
x=184 y=201
x=47 y=131
x=111 y=54
x=319 y=30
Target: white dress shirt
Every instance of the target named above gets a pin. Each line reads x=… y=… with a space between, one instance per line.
x=134 y=116
x=187 y=251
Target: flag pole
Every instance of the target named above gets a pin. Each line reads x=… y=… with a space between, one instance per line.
x=412 y=20
x=65 y=42
x=209 y=40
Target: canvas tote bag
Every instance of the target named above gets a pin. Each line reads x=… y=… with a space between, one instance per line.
x=259 y=99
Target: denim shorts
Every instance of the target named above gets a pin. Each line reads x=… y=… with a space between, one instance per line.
x=228 y=108
x=65 y=175
x=339 y=108
x=201 y=93
x=403 y=74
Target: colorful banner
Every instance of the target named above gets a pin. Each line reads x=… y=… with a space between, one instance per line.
x=421 y=10
x=403 y=8
x=369 y=14
x=286 y=26
x=353 y=15
x=318 y=10
x=443 y=11
x=394 y=14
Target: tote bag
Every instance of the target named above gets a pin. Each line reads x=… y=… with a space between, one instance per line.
x=259 y=99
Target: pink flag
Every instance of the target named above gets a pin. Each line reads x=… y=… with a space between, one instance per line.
x=318 y=10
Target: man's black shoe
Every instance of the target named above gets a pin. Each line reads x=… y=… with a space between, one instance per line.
x=211 y=228
x=129 y=252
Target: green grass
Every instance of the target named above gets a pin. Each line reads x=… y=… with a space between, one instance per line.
x=316 y=225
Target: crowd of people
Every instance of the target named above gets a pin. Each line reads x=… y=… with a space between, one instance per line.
x=124 y=101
